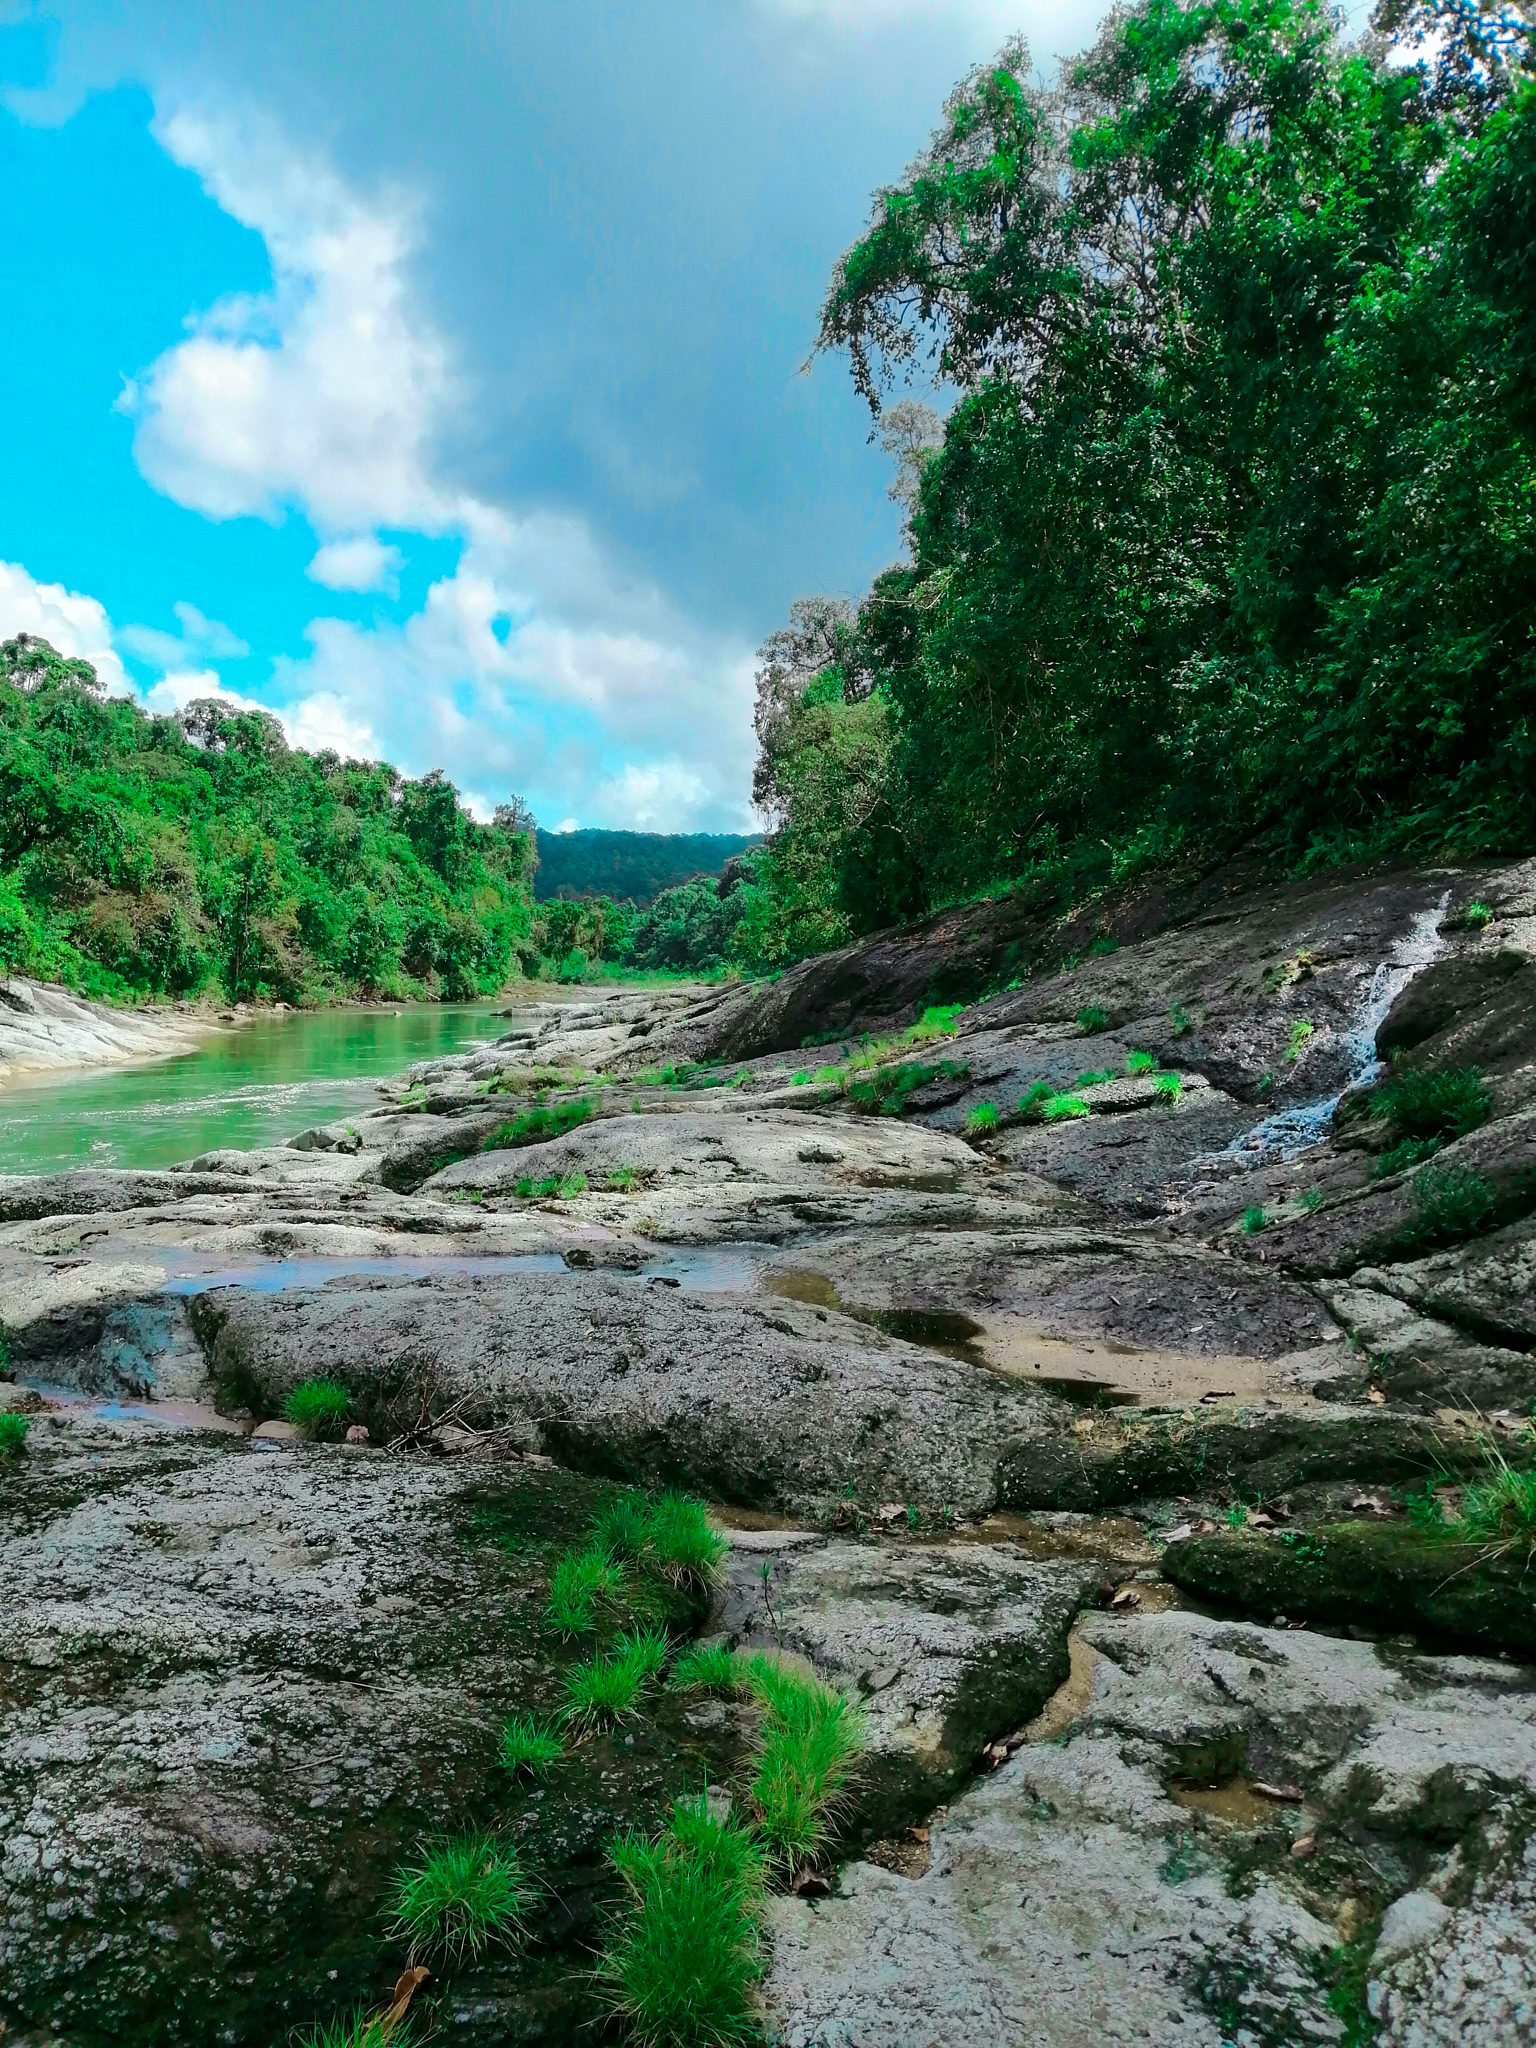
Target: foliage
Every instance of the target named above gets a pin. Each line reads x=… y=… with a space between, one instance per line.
x=463 y=1895
x=1091 y=1018
x=1445 y=1102
x=164 y=856
x=630 y=866
x=1502 y=1506
x=1253 y=1220
x=1229 y=537
x=529 y=1749
x=1168 y=1088
x=319 y=1407
x=608 y=1686
x=682 y=1958
x=714 y=1668
x=981 y=1119
x=1141 y=1063
x=13 y=1435
x=1453 y=1202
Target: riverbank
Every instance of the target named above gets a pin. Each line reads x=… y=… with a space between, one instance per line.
x=1046 y=1363
x=45 y=1028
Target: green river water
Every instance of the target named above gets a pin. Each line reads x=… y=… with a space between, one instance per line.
x=254 y=1084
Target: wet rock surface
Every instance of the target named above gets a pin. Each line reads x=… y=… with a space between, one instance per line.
x=1028 y=1423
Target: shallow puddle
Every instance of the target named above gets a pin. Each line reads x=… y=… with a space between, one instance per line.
x=1235 y=1802
x=710 y=1268
x=943 y=1330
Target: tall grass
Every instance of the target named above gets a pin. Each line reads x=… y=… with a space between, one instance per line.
x=608 y=1686
x=811 y=1737
x=319 y=1407
x=528 y=1750
x=682 y=1957
x=582 y=1581
x=13 y=1435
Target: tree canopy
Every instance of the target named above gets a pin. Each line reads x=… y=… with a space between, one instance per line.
x=1228 y=537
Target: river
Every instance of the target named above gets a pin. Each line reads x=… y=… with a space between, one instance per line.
x=259 y=1083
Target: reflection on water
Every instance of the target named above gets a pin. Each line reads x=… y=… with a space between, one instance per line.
x=258 y=1084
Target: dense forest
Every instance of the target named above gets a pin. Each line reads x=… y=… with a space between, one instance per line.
x=632 y=867
x=143 y=855
x=1227 y=540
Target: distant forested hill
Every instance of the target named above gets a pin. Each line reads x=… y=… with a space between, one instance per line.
x=638 y=865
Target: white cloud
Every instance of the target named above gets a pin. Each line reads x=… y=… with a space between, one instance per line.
x=361 y=564
x=173 y=692
x=996 y=17
x=198 y=639
x=76 y=625
x=320 y=393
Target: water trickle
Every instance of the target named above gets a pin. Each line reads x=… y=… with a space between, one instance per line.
x=1289 y=1132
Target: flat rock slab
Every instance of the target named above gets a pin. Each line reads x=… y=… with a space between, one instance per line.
x=766 y=1404
x=1080 y=1897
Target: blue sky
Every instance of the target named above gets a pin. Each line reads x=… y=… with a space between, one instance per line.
x=433 y=375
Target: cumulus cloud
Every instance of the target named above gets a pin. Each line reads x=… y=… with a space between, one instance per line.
x=361 y=564
x=76 y=625
x=321 y=393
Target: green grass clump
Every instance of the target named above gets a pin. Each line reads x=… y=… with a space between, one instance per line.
x=1444 y=1103
x=681 y=1542
x=609 y=1686
x=1453 y=1202
x=623 y=1527
x=714 y=1669
x=982 y=1118
x=1253 y=1220
x=13 y=1435
x=1502 y=1507
x=937 y=1021
x=560 y=1187
x=465 y=1893
x=1063 y=1108
x=885 y=1091
x=527 y=1749
x=1092 y=1019
x=1301 y=1031
x=1168 y=1089
x=1141 y=1063
x=800 y=1077
x=1479 y=916
x=623 y=1180
x=318 y=1407
x=682 y=1955
x=582 y=1580
x=534 y=1126
x=1312 y=1200
x=811 y=1738
x=1094 y=1077
x=1179 y=1021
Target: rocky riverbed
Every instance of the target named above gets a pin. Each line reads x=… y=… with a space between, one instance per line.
x=1069 y=1323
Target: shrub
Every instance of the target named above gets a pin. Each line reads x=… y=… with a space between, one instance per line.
x=526 y=1748
x=982 y=1118
x=581 y=1579
x=1092 y=1019
x=1168 y=1089
x=1253 y=1220
x=713 y=1669
x=318 y=1407
x=1141 y=1063
x=1453 y=1202
x=1444 y=1103
x=681 y=1957
x=810 y=1740
x=13 y=1435
x=466 y=1893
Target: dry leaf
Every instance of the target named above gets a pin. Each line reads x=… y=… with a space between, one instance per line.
x=407 y=1984
x=1377 y=1397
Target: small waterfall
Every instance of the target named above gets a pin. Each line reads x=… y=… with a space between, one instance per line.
x=1291 y=1131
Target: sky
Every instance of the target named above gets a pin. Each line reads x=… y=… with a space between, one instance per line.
x=437 y=377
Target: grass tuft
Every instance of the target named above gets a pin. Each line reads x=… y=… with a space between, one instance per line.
x=1253 y=1220
x=1141 y=1063
x=608 y=1687
x=1063 y=1109
x=1503 y=1506
x=1479 y=916
x=13 y=1435
x=536 y=1125
x=582 y=1579
x=358 y=2029
x=1168 y=1089
x=1453 y=1203
x=714 y=1669
x=318 y=1407
x=1091 y=1019
x=529 y=1750
x=810 y=1740
x=982 y=1118
x=560 y=1187
x=465 y=1893
x=679 y=1539
x=682 y=1956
